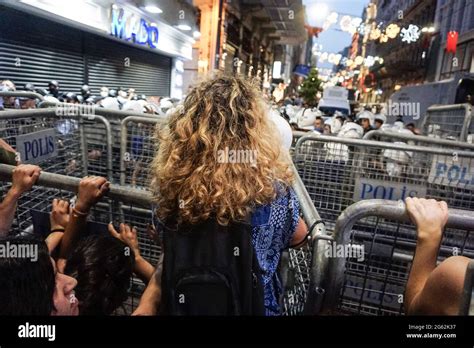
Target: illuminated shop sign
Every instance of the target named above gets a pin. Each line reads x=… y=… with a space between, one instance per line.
x=129 y=27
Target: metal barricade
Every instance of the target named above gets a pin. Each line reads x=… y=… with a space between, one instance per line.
x=115 y=118
x=124 y=204
x=306 y=266
x=420 y=140
x=338 y=172
x=130 y=206
x=371 y=256
x=83 y=139
x=21 y=94
x=448 y=121
x=137 y=150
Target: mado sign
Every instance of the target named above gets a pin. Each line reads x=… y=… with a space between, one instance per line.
x=452 y=171
x=129 y=27
x=36 y=147
x=379 y=189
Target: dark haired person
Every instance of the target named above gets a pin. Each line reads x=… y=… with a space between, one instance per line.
x=23 y=178
x=31 y=285
x=319 y=125
x=103 y=269
x=102 y=264
x=433 y=289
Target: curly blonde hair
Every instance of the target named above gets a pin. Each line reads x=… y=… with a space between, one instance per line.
x=189 y=178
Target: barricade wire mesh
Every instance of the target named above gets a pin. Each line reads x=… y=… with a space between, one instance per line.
x=82 y=149
x=337 y=174
x=374 y=282
x=448 y=122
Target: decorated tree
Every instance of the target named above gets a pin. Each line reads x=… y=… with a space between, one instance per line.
x=310 y=87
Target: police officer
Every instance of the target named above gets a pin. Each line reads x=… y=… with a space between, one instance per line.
x=366 y=119
x=379 y=120
x=53 y=88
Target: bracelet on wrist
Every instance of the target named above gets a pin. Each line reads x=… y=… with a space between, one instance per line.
x=59 y=229
x=78 y=213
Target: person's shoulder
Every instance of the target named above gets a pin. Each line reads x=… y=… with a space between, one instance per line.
x=284 y=194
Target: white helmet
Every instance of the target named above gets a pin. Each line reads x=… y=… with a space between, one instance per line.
x=366 y=115
x=133 y=105
x=110 y=103
x=351 y=130
x=405 y=131
x=165 y=105
x=398 y=156
x=380 y=117
x=387 y=128
x=290 y=110
x=51 y=99
x=307 y=117
x=336 y=125
x=398 y=125
x=283 y=128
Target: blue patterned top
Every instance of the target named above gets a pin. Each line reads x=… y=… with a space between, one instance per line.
x=273 y=226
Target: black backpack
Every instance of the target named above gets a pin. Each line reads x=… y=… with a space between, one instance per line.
x=210 y=269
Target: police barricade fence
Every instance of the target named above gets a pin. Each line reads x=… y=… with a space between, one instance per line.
x=115 y=118
x=125 y=204
x=60 y=144
x=389 y=136
x=120 y=205
x=452 y=122
x=102 y=157
x=368 y=268
x=299 y=267
x=338 y=172
x=70 y=141
x=21 y=94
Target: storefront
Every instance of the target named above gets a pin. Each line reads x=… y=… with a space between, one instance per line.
x=99 y=44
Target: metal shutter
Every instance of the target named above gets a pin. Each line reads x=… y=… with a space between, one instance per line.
x=148 y=73
x=39 y=66
x=51 y=51
x=46 y=51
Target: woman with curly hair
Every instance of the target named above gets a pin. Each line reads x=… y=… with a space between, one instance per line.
x=220 y=156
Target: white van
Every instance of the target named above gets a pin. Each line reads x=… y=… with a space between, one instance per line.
x=334 y=99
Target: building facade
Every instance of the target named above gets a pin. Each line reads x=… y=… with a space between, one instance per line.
x=404 y=63
x=457 y=16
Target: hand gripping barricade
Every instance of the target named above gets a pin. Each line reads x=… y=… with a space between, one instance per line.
x=58 y=141
x=133 y=206
x=338 y=172
x=36 y=206
x=368 y=266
